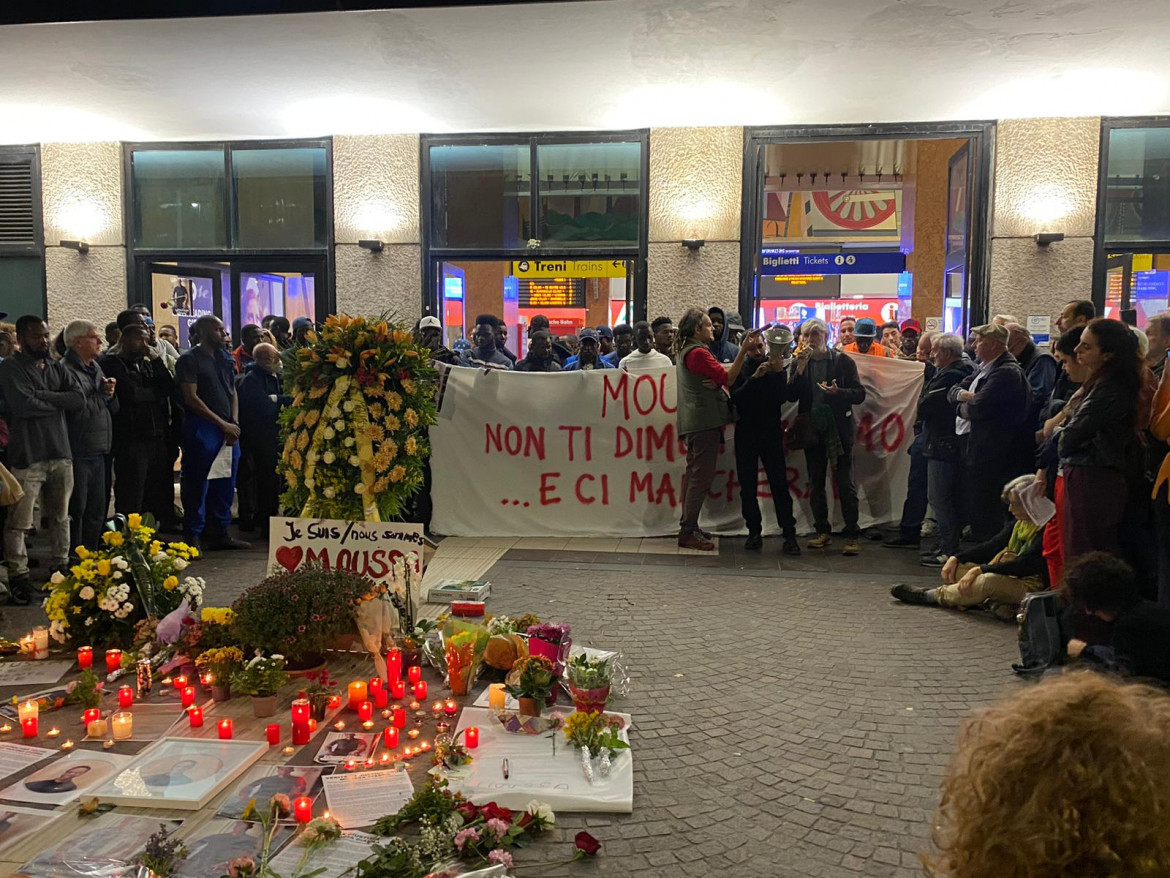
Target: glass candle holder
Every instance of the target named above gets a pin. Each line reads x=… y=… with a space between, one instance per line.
x=123 y=725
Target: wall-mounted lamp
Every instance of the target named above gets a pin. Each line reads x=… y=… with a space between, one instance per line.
x=1045 y=238
x=79 y=246
x=371 y=244
x=693 y=244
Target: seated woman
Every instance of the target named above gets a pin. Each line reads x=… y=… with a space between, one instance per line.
x=997 y=573
x=1062 y=779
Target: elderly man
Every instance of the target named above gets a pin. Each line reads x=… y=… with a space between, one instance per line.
x=37 y=394
x=91 y=433
x=1076 y=313
x=589 y=356
x=1039 y=367
x=261 y=399
x=1158 y=332
x=994 y=417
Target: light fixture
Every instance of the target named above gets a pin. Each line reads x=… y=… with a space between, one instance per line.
x=79 y=246
x=1045 y=238
x=693 y=244
x=371 y=244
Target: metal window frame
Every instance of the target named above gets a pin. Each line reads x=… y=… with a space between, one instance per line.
x=979 y=257
x=1101 y=248
x=431 y=303
x=32 y=152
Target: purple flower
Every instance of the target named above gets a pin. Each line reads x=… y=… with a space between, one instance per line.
x=500 y=857
x=463 y=836
x=553 y=632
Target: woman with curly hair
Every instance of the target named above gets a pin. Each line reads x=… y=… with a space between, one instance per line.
x=1067 y=779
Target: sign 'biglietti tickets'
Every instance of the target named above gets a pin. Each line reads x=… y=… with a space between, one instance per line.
x=553 y=268
x=773 y=262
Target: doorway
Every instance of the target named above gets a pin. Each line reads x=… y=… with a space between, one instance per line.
x=1137 y=286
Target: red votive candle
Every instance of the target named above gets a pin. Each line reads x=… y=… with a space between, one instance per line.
x=366 y=710
x=390 y=737
x=125 y=697
x=420 y=690
x=195 y=717
x=272 y=733
x=92 y=714
x=224 y=728
x=398 y=690
x=450 y=707
x=28 y=727
x=113 y=660
x=303 y=809
x=394 y=664
x=187 y=696
x=301 y=730
x=381 y=696
x=334 y=702
x=471 y=737
x=300 y=709
x=85 y=657
x=414 y=673
x=399 y=718
x=179 y=682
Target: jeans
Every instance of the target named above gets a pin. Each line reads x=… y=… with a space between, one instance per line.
x=702 y=453
x=753 y=446
x=52 y=482
x=89 y=503
x=817 y=462
x=944 y=483
x=914 y=509
x=201 y=443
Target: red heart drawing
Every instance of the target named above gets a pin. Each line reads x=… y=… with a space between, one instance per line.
x=289 y=557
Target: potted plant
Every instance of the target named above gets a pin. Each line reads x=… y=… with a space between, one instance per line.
x=300 y=614
x=216 y=666
x=589 y=682
x=261 y=678
x=533 y=682
x=464 y=644
x=551 y=640
x=321 y=688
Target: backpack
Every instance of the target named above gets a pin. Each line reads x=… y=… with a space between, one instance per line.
x=1040 y=640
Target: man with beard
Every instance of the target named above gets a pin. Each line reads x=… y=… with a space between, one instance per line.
x=540 y=354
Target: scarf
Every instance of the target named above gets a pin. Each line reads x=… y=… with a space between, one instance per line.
x=1022 y=535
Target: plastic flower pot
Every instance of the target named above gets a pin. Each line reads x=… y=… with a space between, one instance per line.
x=263 y=705
x=529 y=707
x=589 y=700
x=221 y=693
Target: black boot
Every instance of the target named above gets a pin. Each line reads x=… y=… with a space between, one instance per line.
x=791 y=546
x=19 y=591
x=754 y=542
x=908 y=594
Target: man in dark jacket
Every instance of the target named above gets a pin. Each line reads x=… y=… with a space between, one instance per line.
x=914 y=509
x=721 y=349
x=540 y=354
x=37 y=393
x=940 y=447
x=91 y=434
x=261 y=399
x=994 y=417
x=142 y=470
x=759 y=437
x=1039 y=367
x=429 y=334
x=825 y=384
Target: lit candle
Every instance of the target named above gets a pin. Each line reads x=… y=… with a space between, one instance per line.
x=224 y=728
x=289 y=750
x=339 y=725
x=394 y=664
x=333 y=703
x=368 y=724
x=450 y=707
x=68 y=744
x=28 y=727
x=179 y=682
x=300 y=709
x=85 y=657
x=107 y=743
x=414 y=673
x=53 y=732
x=385 y=758
x=187 y=696
x=91 y=714
x=123 y=725
x=365 y=710
x=350 y=765
x=195 y=717
x=398 y=690
x=442 y=727
x=497 y=697
x=41 y=642
x=424 y=746
x=414 y=707
x=125 y=697
x=166 y=681
x=28 y=708
x=205 y=680
x=97 y=729
x=375 y=684
x=437 y=708
x=301 y=731
x=357 y=693
x=312 y=724
x=471 y=737
x=27 y=646
x=381 y=695
x=390 y=737
x=272 y=733
x=399 y=718
x=413 y=733
x=6 y=728
x=420 y=690
x=113 y=660
x=303 y=809
x=407 y=752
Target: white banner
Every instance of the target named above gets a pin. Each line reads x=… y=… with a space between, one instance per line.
x=596 y=454
x=367 y=548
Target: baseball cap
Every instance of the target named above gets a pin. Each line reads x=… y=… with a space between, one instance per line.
x=603 y=332
x=430 y=322
x=993 y=331
x=589 y=333
x=302 y=323
x=734 y=321
x=911 y=324
x=865 y=328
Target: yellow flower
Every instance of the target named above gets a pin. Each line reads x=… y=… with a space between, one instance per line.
x=193 y=552
x=400 y=336
x=156 y=547
x=113 y=538
x=411 y=417
x=295 y=459
x=392 y=423
x=298 y=420
x=171 y=583
x=398 y=473
x=103 y=567
x=134 y=521
x=302 y=440
x=409 y=386
x=411 y=445
x=82 y=552
x=394 y=401
x=311 y=417
x=319 y=390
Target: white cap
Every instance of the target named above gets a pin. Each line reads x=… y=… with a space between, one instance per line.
x=430 y=323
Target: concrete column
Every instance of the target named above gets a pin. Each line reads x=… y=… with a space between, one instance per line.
x=81 y=193
x=376 y=195
x=695 y=192
x=1045 y=181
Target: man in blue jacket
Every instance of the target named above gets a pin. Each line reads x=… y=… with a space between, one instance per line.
x=261 y=399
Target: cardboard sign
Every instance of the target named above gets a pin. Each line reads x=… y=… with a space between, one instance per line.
x=367 y=548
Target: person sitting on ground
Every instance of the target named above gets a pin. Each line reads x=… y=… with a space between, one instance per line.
x=644 y=358
x=589 y=356
x=1106 y=587
x=540 y=354
x=891 y=339
x=1062 y=779
x=623 y=344
x=721 y=349
x=845 y=332
x=664 y=333
x=485 y=355
x=864 y=333
x=998 y=572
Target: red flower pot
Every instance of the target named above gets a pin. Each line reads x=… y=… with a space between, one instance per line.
x=589 y=700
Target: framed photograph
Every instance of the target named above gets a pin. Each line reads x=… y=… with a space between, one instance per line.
x=17 y=824
x=103 y=846
x=182 y=773
x=63 y=781
x=219 y=841
x=340 y=747
x=262 y=782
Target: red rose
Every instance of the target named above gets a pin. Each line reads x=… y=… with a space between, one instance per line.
x=525 y=820
x=469 y=812
x=492 y=810
x=586 y=843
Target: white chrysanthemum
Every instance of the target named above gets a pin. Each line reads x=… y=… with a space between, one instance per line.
x=159 y=557
x=128 y=607
x=354 y=460
x=349 y=442
x=117 y=574
x=86 y=593
x=348 y=406
x=57 y=578
x=328 y=433
x=542 y=811
x=339 y=424
x=329 y=457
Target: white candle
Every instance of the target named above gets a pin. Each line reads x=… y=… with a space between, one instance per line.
x=41 y=642
x=97 y=729
x=28 y=710
x=123 y=725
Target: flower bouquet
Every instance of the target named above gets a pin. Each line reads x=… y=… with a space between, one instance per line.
x=261 y=678
x=551 y=640
x=133 y=577
x=589 y=682
x=531 y=682
x=464 y=644
x=216 y=666
x=596 y=736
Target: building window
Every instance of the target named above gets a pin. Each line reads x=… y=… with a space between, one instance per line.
x=180 y=200
x=22 y=245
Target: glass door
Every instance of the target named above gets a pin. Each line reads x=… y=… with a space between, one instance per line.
x=182 y=293
x=278 y=287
